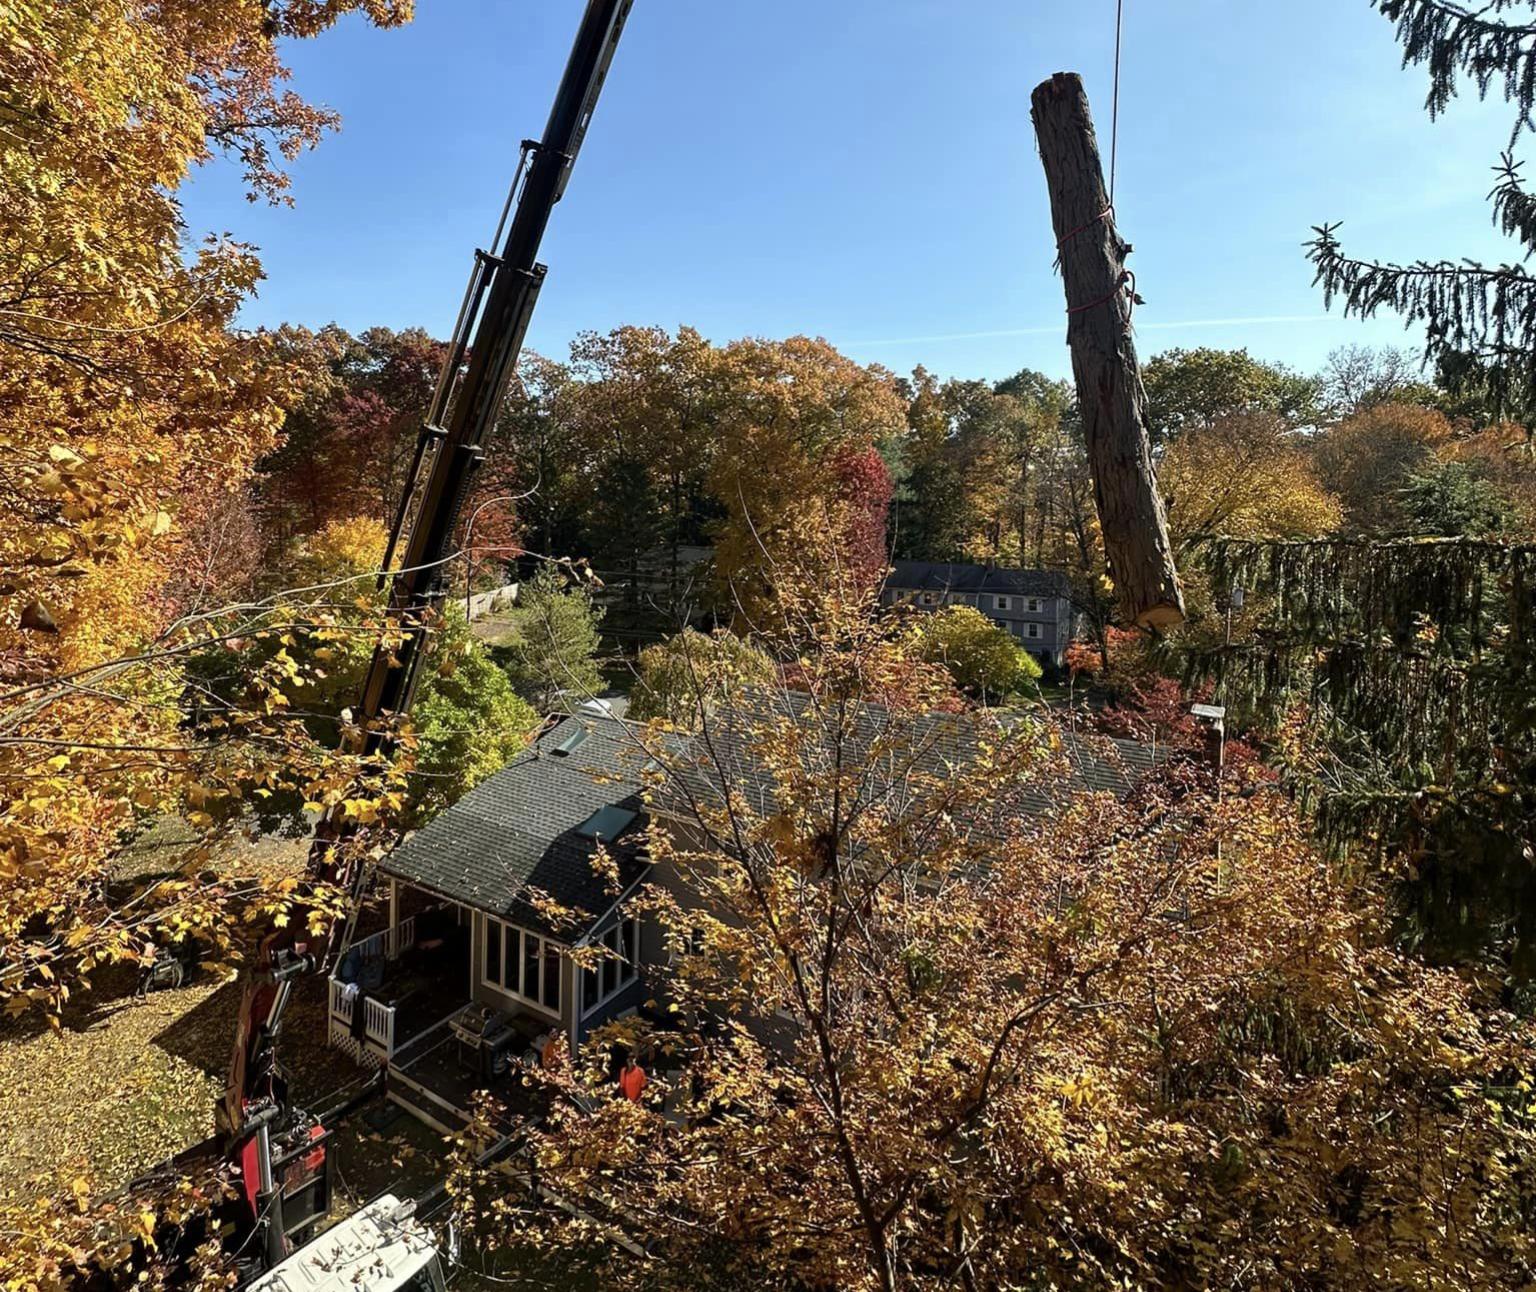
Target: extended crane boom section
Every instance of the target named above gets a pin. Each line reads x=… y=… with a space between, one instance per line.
x=509 y=284
x=482 y=354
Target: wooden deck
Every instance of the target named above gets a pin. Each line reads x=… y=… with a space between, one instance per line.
x=427 y=1078
x=418 y=989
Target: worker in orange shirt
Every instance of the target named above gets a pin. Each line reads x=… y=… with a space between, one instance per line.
x=552 y=1053
x=631 y=1080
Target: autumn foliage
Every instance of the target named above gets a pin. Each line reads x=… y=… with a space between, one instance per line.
x=133 y=411
x=962 y=1021
x=1035 y=1010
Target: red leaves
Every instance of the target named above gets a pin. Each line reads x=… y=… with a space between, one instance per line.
x=864 y=487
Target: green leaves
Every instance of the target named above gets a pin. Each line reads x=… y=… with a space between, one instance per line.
x=984 y=659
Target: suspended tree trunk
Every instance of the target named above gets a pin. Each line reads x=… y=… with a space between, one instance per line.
x=1109 y=389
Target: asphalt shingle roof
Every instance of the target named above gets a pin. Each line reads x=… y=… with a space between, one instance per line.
x=944 y=576
x=518 y=830
x=893 y=752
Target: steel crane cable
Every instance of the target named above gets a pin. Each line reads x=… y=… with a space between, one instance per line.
x=1114 y=109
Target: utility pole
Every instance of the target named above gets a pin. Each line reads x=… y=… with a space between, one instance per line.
x=1100 y=292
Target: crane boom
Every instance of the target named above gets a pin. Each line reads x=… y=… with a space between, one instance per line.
x=263 y=1134
x=508 y=284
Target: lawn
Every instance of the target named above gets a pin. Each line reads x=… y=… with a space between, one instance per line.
x=125 y=1081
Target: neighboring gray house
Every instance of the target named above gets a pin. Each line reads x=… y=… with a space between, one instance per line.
x=1033 y=605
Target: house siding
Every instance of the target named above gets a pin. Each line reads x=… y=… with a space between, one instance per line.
x=1054 y=616
x=626 y=999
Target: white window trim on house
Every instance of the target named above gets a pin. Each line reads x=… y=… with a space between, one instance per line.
x=542 y=946
x=930 y=598
x=1034 y=605
x=1000 y=603
x=1032 y=631
x=625 y=970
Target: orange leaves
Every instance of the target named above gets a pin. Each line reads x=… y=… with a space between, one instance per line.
x=1133 y=1042
x=1245 y=476
x=132 y=413
x=795 y=423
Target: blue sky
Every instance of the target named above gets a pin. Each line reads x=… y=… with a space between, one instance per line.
x=865 y=170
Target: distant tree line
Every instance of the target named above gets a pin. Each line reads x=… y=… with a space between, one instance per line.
x=644 y=449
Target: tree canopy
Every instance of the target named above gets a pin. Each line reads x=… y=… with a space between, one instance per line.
x=686 y=675
x=983 y=658
x=919 y=1032
x=553 y=644
x=132 y=409
x=1194 y=388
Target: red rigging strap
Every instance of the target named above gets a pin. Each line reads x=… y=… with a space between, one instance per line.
x=1107 y=213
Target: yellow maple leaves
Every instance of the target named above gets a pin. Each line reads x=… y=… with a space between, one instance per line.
x=131 y=412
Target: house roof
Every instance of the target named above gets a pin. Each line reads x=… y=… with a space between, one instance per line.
x=522 y=829
x=529 y=826
x=944 y=576
x=896 y=752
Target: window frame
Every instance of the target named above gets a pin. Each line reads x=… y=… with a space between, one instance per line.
x=625 y=972
x=1034 y=605
x=1032 y=631
x=521 y=947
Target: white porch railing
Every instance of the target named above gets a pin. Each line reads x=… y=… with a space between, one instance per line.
x=399 y=938
x=375 y=1045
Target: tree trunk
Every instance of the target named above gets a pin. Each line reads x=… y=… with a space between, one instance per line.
x=1109 y=389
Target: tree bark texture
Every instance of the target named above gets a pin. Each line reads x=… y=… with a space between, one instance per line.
x=1109 y=390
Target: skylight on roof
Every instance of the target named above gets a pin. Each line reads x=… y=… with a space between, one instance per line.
x=607 y=823
x=572 y=738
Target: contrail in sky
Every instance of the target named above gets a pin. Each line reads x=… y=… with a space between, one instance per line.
x=1060 y=328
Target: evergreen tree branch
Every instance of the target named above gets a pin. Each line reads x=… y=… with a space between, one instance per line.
x=1468 y=309
x=1451 y=40
x=1514 y=208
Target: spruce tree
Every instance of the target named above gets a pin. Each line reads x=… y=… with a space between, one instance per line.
x=1479 y=320
x=1400 y=676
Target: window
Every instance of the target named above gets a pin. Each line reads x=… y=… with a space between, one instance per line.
x=571 y=739
x=530 y=967
x=607 y=823
x=522 y=964
x=1033 y=605
x=1032 y=630
x=616 y=971
x=493 y=953
x=930 y=598
x=1000 y=603
x=551 y=994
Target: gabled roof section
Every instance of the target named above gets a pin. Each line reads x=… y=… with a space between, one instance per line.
x=534 y=824
x=893 y=751
x=944 y=576
x=521 y=829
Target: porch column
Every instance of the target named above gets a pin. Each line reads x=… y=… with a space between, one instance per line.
x=394 y=903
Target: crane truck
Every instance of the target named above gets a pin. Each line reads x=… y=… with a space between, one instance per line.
x=281 y=1152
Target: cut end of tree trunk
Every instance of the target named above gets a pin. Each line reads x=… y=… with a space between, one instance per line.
x=1166 y=614
x=1108 y=378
